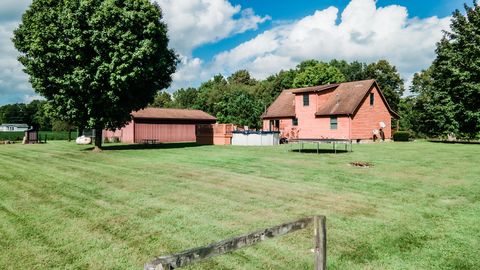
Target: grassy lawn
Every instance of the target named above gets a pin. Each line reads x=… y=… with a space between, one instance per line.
x=62 y=206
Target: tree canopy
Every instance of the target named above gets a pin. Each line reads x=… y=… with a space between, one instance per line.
x=95 y=61
x=314 y=73
x=388 y=79
x=36 y=114
x=162 y=99
x=447 y=94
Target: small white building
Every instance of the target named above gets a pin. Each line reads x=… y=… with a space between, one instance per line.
x=13 y=127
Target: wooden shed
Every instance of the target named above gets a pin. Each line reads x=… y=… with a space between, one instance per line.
x=158 y=125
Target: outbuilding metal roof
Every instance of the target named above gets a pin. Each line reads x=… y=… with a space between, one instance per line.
x=183 y=114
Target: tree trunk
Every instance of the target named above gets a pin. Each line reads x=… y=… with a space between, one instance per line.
x=98 y=138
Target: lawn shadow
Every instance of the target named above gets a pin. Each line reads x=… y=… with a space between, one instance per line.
x=320 y=151
x=454 y=142
x=123 y=147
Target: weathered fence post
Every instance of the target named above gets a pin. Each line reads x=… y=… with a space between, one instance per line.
x=194 y=255
x=320 y=232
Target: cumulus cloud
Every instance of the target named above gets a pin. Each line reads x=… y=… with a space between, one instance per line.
x=11 y=10
x=361 y=32
x=193 y=23
x=14 y=85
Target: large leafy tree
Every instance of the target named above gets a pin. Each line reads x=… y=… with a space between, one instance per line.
x=432 y=110
x=354 y=71
x=388 y=79
x=38 y=115
x=95 y=61
x=210 y=92
x=242 y=77
x=456 y=74
x=239 y=107
x=185 y=98
x=13 y=113
x=33 y=114
x=312 y=74
x=269 y=89
x=162 y=100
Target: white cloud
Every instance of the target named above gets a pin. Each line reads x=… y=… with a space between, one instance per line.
x=10 y=10
x=14 y=86
x=361 y=32
x=193 y=23
x=364 y=32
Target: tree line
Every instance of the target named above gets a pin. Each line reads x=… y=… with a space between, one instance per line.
x=36 y=114
x=241 y=99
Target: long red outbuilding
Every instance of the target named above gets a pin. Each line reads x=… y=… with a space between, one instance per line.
x=158 y=125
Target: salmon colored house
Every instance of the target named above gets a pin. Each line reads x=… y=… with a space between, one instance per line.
x=154 y=125
x=351 y=111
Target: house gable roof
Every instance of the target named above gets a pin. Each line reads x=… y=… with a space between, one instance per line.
x=171 y=114
x=345 y=99
x=282 y=107
x=348 y=97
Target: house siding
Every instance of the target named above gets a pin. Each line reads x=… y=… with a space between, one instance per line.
x=319 y=128
x=367 y=118
x=161 y=130
x=125 y=134
x=311 y=126
x=164 y=132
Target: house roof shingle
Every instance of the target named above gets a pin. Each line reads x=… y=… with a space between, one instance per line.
x=282 y=107
x=183 y=114
x=345 y=99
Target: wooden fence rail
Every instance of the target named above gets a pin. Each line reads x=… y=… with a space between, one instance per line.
x=195 y=255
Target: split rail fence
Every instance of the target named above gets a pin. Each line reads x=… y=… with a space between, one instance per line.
x=195 y=255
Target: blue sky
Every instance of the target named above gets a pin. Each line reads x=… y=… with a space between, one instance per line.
x=285 y=10
x=265 y=36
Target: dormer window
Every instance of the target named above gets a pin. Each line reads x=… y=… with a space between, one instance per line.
x=333 y=122
x=306 y=100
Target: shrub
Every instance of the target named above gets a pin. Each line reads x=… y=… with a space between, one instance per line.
x=11 y=136
x=51 y=135
x=56 y=135
x=402 y=136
